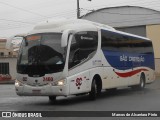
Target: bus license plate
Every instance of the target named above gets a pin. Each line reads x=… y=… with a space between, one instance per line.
x=36 y=91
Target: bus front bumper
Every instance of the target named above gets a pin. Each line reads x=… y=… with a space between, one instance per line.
x=47 y=90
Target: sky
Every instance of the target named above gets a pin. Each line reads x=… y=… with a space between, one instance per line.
x=20 y=16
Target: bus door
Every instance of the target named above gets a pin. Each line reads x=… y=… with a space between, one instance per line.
x=82 y=48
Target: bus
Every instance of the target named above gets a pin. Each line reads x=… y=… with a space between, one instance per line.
x=74 y=57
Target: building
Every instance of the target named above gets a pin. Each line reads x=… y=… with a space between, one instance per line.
x=8 y=60
x=132 y=19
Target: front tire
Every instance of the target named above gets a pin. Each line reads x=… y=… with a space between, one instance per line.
x=93 y=92
x=52 y=98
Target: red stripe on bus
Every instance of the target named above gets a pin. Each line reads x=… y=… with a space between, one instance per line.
x=128 y=74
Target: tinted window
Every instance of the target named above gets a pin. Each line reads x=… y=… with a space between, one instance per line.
x=141 y=46
x=119 y=42
x=83 y=45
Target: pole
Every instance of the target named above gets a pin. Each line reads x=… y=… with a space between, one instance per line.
x=78 y=10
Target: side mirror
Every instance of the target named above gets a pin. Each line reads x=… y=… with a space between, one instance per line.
x=16 y=39
x=65 y=36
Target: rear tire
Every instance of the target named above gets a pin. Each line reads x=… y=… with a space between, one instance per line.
x=93 y=92
x=52 y=98
x=141 y=84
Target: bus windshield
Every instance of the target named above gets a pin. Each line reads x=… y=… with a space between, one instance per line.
x=41 y=54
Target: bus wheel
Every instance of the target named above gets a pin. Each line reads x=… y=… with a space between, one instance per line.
x=52 y=98
x=141 y=84
x=93 y=92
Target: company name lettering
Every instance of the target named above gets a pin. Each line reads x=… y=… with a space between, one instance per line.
x=86 y=38
x=131 y=58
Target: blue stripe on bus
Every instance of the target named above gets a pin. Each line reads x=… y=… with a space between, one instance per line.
x=125 y=60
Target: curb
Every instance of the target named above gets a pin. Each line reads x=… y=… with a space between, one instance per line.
x=7 y=82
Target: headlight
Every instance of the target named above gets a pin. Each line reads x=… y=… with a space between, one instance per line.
x=18 y=83
x=59 y=83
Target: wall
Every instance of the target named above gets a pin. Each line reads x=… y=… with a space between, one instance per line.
x=153 y=32
x=12 y=65
x=137 y=30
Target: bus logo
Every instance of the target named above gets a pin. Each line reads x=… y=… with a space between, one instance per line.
x=78 y=82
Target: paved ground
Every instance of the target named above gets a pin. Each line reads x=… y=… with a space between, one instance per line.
x=121 y=100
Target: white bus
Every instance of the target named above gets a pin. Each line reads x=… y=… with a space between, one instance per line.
x=72 y=57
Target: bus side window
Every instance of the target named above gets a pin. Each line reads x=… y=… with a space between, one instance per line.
x=82 y=45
